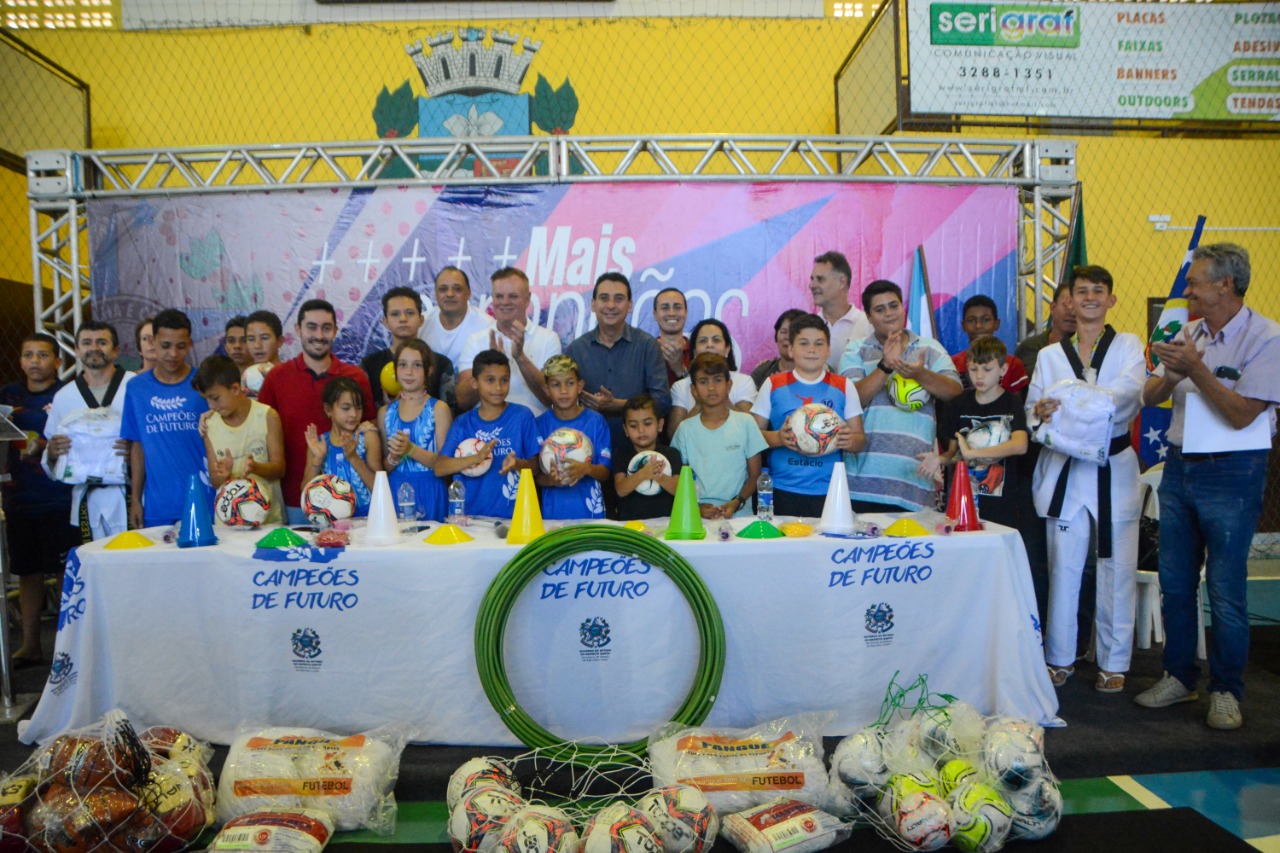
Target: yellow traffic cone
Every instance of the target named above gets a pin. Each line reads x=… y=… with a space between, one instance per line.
x=526 y=523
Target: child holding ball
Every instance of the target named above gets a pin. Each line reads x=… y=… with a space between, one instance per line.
x=414 y=427
x=643 y=425
x=352 y=448
x=573 y=491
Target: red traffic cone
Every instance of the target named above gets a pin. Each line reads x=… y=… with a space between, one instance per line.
x=960 y=504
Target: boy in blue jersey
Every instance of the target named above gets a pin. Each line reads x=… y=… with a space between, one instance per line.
x=508 y=435
x=573 y=490
x=800 y=482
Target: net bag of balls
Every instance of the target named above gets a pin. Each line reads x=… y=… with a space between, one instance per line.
x=351 y=778
x=108 y=786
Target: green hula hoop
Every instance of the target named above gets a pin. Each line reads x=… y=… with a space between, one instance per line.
x=491 y=626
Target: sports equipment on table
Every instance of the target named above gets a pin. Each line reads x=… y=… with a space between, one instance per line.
x=538 y=829
x=241 y=503
x=960 y=504
x=478 y=772
x=253 y=377
x=685 y=820
x=196 y=529
x=816 y=428
x=563 y=445
x=982 y=817
x=526 y=518
x=686 y=518
x=618 y=828
x=640 y=460
x=470 y=447
x=907 y=394
x=328 y=498
x=476 y=822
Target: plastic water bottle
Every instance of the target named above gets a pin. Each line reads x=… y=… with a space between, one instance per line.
x=407 y=502
x=697 y=488
x=457 y=501
x=764 y=496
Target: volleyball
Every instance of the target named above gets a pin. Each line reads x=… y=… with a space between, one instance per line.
x=618 y=828
x=471 y=447
x=476 y=772
x=476 y=822
x=328 y=498
x=253 y=377
x=907 y=394
x=241 y=503
x=684 y=819
x=563 y=445
x=816 y=428
x=640 y=460
x=982 y=818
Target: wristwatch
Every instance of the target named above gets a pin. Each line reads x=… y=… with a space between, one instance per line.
x=888 y=371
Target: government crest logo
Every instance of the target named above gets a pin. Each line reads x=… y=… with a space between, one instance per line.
x=594 y=633
x=878 y=620
x=306 y=643
x=62 y=674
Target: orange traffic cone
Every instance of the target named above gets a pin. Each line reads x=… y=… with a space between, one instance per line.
x=960 y=504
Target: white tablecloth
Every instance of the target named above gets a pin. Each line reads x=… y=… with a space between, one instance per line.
x=350 y=639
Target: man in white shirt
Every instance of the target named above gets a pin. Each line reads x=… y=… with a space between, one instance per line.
x=829 y=284
x=516 y=336
x=456 y=319
x=100 y=385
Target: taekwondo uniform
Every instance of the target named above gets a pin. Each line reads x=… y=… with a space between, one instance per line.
x=1069 y=492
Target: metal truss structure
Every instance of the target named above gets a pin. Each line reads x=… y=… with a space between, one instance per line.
x=60 y=182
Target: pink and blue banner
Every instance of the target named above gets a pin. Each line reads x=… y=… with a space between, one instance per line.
x=740 y=252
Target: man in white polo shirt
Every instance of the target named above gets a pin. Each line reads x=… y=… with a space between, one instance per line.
x=516 y=336
x=829 y=284
x=455 y=318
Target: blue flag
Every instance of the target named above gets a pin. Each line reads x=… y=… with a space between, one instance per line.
x=919 y=300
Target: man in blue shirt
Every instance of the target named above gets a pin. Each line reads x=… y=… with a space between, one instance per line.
x=617 y=359
x=161 y=421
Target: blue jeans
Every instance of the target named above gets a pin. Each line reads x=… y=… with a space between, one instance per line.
x=1209 y=505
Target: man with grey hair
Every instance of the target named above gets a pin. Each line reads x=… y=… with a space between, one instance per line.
x=1223 y=373
x=829 y=284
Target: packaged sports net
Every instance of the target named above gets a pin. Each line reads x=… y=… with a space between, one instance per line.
x=109 y=787
x=784 y=824
x=351 y=778
x=932 y=771
x=740 y=768
x=279 y=831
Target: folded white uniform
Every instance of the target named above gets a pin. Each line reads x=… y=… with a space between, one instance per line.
x=1081 y=427
x=92 y=457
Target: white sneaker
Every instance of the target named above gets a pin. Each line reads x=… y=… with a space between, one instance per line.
x=1167 y=691
x=1224 y=711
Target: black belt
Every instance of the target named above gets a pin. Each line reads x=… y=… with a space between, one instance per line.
x=1119 y=444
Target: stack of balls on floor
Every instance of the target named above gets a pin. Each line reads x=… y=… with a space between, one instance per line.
x=108 y=787
x=487 y=814
x=947 y=775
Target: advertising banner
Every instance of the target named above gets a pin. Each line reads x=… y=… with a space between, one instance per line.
x=1202 y=62
x=740 y=252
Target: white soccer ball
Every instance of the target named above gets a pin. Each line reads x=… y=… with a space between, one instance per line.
x=1011 y=758
x=924 y=821
x=253 y=377
x=538 y=829
x=470 y=447
x=241 y=503
x=476 y=822
x=816 y=428
x=640 y=460
x=988 y=433
x=858 y=761
x=328 y=498
x=1037 y=809
x=563 y=445
x=685 y=820
x=480 y=771
x=618 y=828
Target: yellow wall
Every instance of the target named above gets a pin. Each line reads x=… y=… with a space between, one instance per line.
x=632 y=75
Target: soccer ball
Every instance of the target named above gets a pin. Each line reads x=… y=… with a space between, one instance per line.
x=641 y=459
x=988 y=433
x=241 y=503
x=816 y=428
x=328 y=498
x=475 y=823
x=685 y=820
x=253 y=377
x=1012 y=758
x=1037 y=808
x=538 y=829
x=475 y=772
x=618 y=828
x=907 y=394
x=954 y=773
x=924 y=821
x=561 y=446
x=901 y=786
x=859 y=759
x=470 y=447
x=982 y=818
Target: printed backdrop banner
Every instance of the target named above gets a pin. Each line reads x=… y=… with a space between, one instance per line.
x=740 y=252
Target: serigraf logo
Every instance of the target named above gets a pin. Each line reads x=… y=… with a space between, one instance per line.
x=594 y=633
x=998 y=25
x=306 y=643
x=879 y=618
x=62 y=668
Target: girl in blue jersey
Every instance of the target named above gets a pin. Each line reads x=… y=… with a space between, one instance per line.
x=352 y=448
x=414 y=428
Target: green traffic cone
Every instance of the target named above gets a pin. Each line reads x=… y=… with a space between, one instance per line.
x=686 y=519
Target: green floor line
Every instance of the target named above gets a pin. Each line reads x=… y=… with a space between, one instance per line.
x=1093 y=796
x=416 y=823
